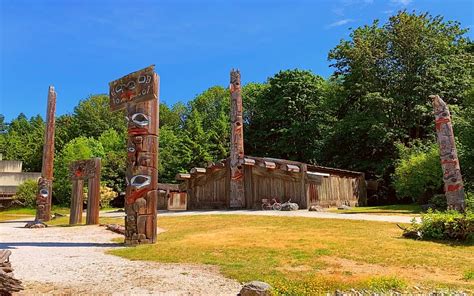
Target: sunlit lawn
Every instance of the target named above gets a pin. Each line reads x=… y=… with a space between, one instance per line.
x=27 y=213
x=306 y=255
x=410 y=210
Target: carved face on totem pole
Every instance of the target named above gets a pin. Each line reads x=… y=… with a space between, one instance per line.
x=137 y=93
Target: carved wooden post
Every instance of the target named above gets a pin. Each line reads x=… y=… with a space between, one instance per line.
x=43 y=196
x=237 y=197
x=453 y=184
x=93 y=195
x=75 y=216
x=78 y=172
x=137 y=93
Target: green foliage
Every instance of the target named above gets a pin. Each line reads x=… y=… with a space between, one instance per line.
x=114 y=160
x=418 y=173
x=468 y=275
x=449 y=225
x=469 y=201
x=77 y=149
x=439 y=201
x=387 y=71
x=26 y=193
x=289 y=119
x=93 y=116
x=23 y=140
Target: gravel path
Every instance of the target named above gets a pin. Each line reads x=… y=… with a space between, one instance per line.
x=72 y=260
x=299 y=213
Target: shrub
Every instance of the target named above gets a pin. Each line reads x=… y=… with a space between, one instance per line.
x=439 y=202
x=449 y=225
x=418 y=173
x=469 y=200
x=26 y=193
x=107 y=194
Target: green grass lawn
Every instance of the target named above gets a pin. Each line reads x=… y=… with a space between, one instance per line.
x=304 y=256
x=27 y=213
x=410 y=210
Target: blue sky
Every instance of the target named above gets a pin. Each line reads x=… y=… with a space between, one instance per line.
x=79 y=46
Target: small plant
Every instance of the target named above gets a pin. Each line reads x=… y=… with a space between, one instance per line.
x=386 y=283
x=469 y=275
x=26 y=193
x=449 y=225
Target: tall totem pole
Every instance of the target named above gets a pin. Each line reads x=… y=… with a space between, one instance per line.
x=237 y=199
x=43 y=196
x=137 y=93
x=453 y=184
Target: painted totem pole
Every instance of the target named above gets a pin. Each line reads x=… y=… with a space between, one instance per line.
x=237 y=198
x=453 y=185
x=137 y=93
x=43 y=196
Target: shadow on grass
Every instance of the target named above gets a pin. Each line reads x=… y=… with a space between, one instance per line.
x=14 y=245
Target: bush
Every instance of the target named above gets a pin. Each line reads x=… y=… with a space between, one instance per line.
x=449 y=225
x=439 y=202
x=26 y=193
x=418 y=173
x=107 y=194
x=469 y=200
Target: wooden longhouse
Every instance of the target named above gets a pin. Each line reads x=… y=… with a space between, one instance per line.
x=242 y=181
x=304 y=184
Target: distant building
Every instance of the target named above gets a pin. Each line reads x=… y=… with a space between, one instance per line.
x=11 y=177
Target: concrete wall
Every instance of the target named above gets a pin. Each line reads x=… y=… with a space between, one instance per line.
x=10 y=166
x=15 y=179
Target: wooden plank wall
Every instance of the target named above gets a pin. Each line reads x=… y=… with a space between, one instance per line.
x=209 y=190
x=272 y=183
x=334 y=191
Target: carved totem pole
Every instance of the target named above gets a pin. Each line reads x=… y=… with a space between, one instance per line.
x=453 y=184
x=137 y=93
x=43 y=196
x=78 y=172
x=237 y=198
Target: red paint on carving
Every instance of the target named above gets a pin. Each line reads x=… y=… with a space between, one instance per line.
x=137 y=131
x=455 y=187
x=440 y=121
x=449 y=161
x=135 y=195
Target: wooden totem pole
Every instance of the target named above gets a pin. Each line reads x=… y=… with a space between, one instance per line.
x=43 y=196
x=137 y=93
x=453 y=184
x=79 y=171
x=237 y=198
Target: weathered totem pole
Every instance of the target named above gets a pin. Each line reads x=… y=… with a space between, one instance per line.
x=237 y=198
x=137 y=93
x=43 y=196
x=79 y=171
x=453 y=184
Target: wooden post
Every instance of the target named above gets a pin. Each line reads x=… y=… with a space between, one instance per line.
x=43 y=196
x=237 y=196
x=137 y=93
x=453 y=184
x=93 y=195
x=75 y=215
x=304 y=187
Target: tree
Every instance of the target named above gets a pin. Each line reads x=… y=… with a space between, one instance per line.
x=93 y=116
x=77 y=149
x=289 y=119
x=387 y=73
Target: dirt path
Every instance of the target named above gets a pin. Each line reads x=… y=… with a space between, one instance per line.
x=72 y=260
x=299 y=213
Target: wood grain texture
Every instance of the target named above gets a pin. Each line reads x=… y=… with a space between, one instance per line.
x=43 y=201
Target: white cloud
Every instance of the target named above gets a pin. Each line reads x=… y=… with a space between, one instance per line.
x=402 y=2
x=340 y=23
